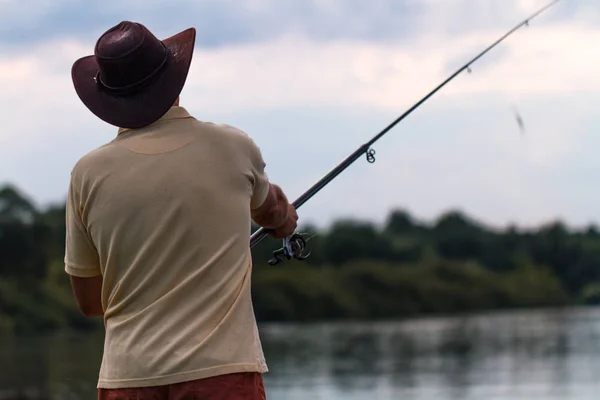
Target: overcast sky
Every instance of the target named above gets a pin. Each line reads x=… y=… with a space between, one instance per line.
x=311 y=80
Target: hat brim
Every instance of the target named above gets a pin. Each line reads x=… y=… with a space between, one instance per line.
x=142 y=107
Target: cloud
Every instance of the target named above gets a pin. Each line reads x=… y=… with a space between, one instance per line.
x=294 y=72
x=309 y=102
x=224 y=22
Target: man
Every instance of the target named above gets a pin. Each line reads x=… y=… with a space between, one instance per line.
x=158 y=228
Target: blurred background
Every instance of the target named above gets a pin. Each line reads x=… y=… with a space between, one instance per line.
x=463 y=264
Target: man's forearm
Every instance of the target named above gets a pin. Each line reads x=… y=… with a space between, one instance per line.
x=274 y=212
x=88 y=293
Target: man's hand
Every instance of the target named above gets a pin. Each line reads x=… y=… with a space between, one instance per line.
x=288 y=227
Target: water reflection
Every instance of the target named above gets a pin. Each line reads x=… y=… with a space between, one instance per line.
x=519 y=355
x=522 y=355
x=31 y=363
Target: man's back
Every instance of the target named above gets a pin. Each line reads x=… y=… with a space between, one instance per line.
x=167 y=210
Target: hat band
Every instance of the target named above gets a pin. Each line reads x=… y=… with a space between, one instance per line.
x=139 y=84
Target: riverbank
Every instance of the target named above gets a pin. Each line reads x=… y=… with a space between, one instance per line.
x=302 y=293
x=372 y=291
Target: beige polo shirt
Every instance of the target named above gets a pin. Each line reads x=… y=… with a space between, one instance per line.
x=163 y=214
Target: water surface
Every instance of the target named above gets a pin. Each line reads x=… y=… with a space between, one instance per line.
x=504 y=356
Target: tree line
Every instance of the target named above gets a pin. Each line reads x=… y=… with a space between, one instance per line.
x=357 y=269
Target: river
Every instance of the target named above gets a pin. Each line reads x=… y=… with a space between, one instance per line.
x=542 y=355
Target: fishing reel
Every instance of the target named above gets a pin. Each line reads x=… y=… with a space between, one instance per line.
x=293 y=248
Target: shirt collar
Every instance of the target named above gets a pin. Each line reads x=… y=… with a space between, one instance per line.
x=175 y=112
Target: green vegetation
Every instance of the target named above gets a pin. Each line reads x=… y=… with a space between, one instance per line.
x=357 y=270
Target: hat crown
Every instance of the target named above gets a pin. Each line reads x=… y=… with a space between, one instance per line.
x=128 y=55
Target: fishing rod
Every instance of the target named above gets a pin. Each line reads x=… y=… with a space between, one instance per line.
x=294 y=245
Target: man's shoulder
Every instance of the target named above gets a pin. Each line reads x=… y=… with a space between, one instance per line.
x=93 y=158
x=230 y=130
x=234 y=134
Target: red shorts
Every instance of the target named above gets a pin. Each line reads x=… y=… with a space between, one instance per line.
x=245 y=385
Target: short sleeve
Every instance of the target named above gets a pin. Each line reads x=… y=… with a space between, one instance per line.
x=259 y=176
x=81 y=256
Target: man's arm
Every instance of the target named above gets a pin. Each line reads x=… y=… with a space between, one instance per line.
x=276 y=214
x=269 y=206
x=81 y=259
x=88 y=294
x=273 y=212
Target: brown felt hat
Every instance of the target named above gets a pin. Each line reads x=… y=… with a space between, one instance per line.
x=133 y=78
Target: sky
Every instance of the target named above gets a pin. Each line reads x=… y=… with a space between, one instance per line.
x=312 y=80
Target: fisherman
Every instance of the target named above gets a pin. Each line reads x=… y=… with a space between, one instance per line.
x=158 y=228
